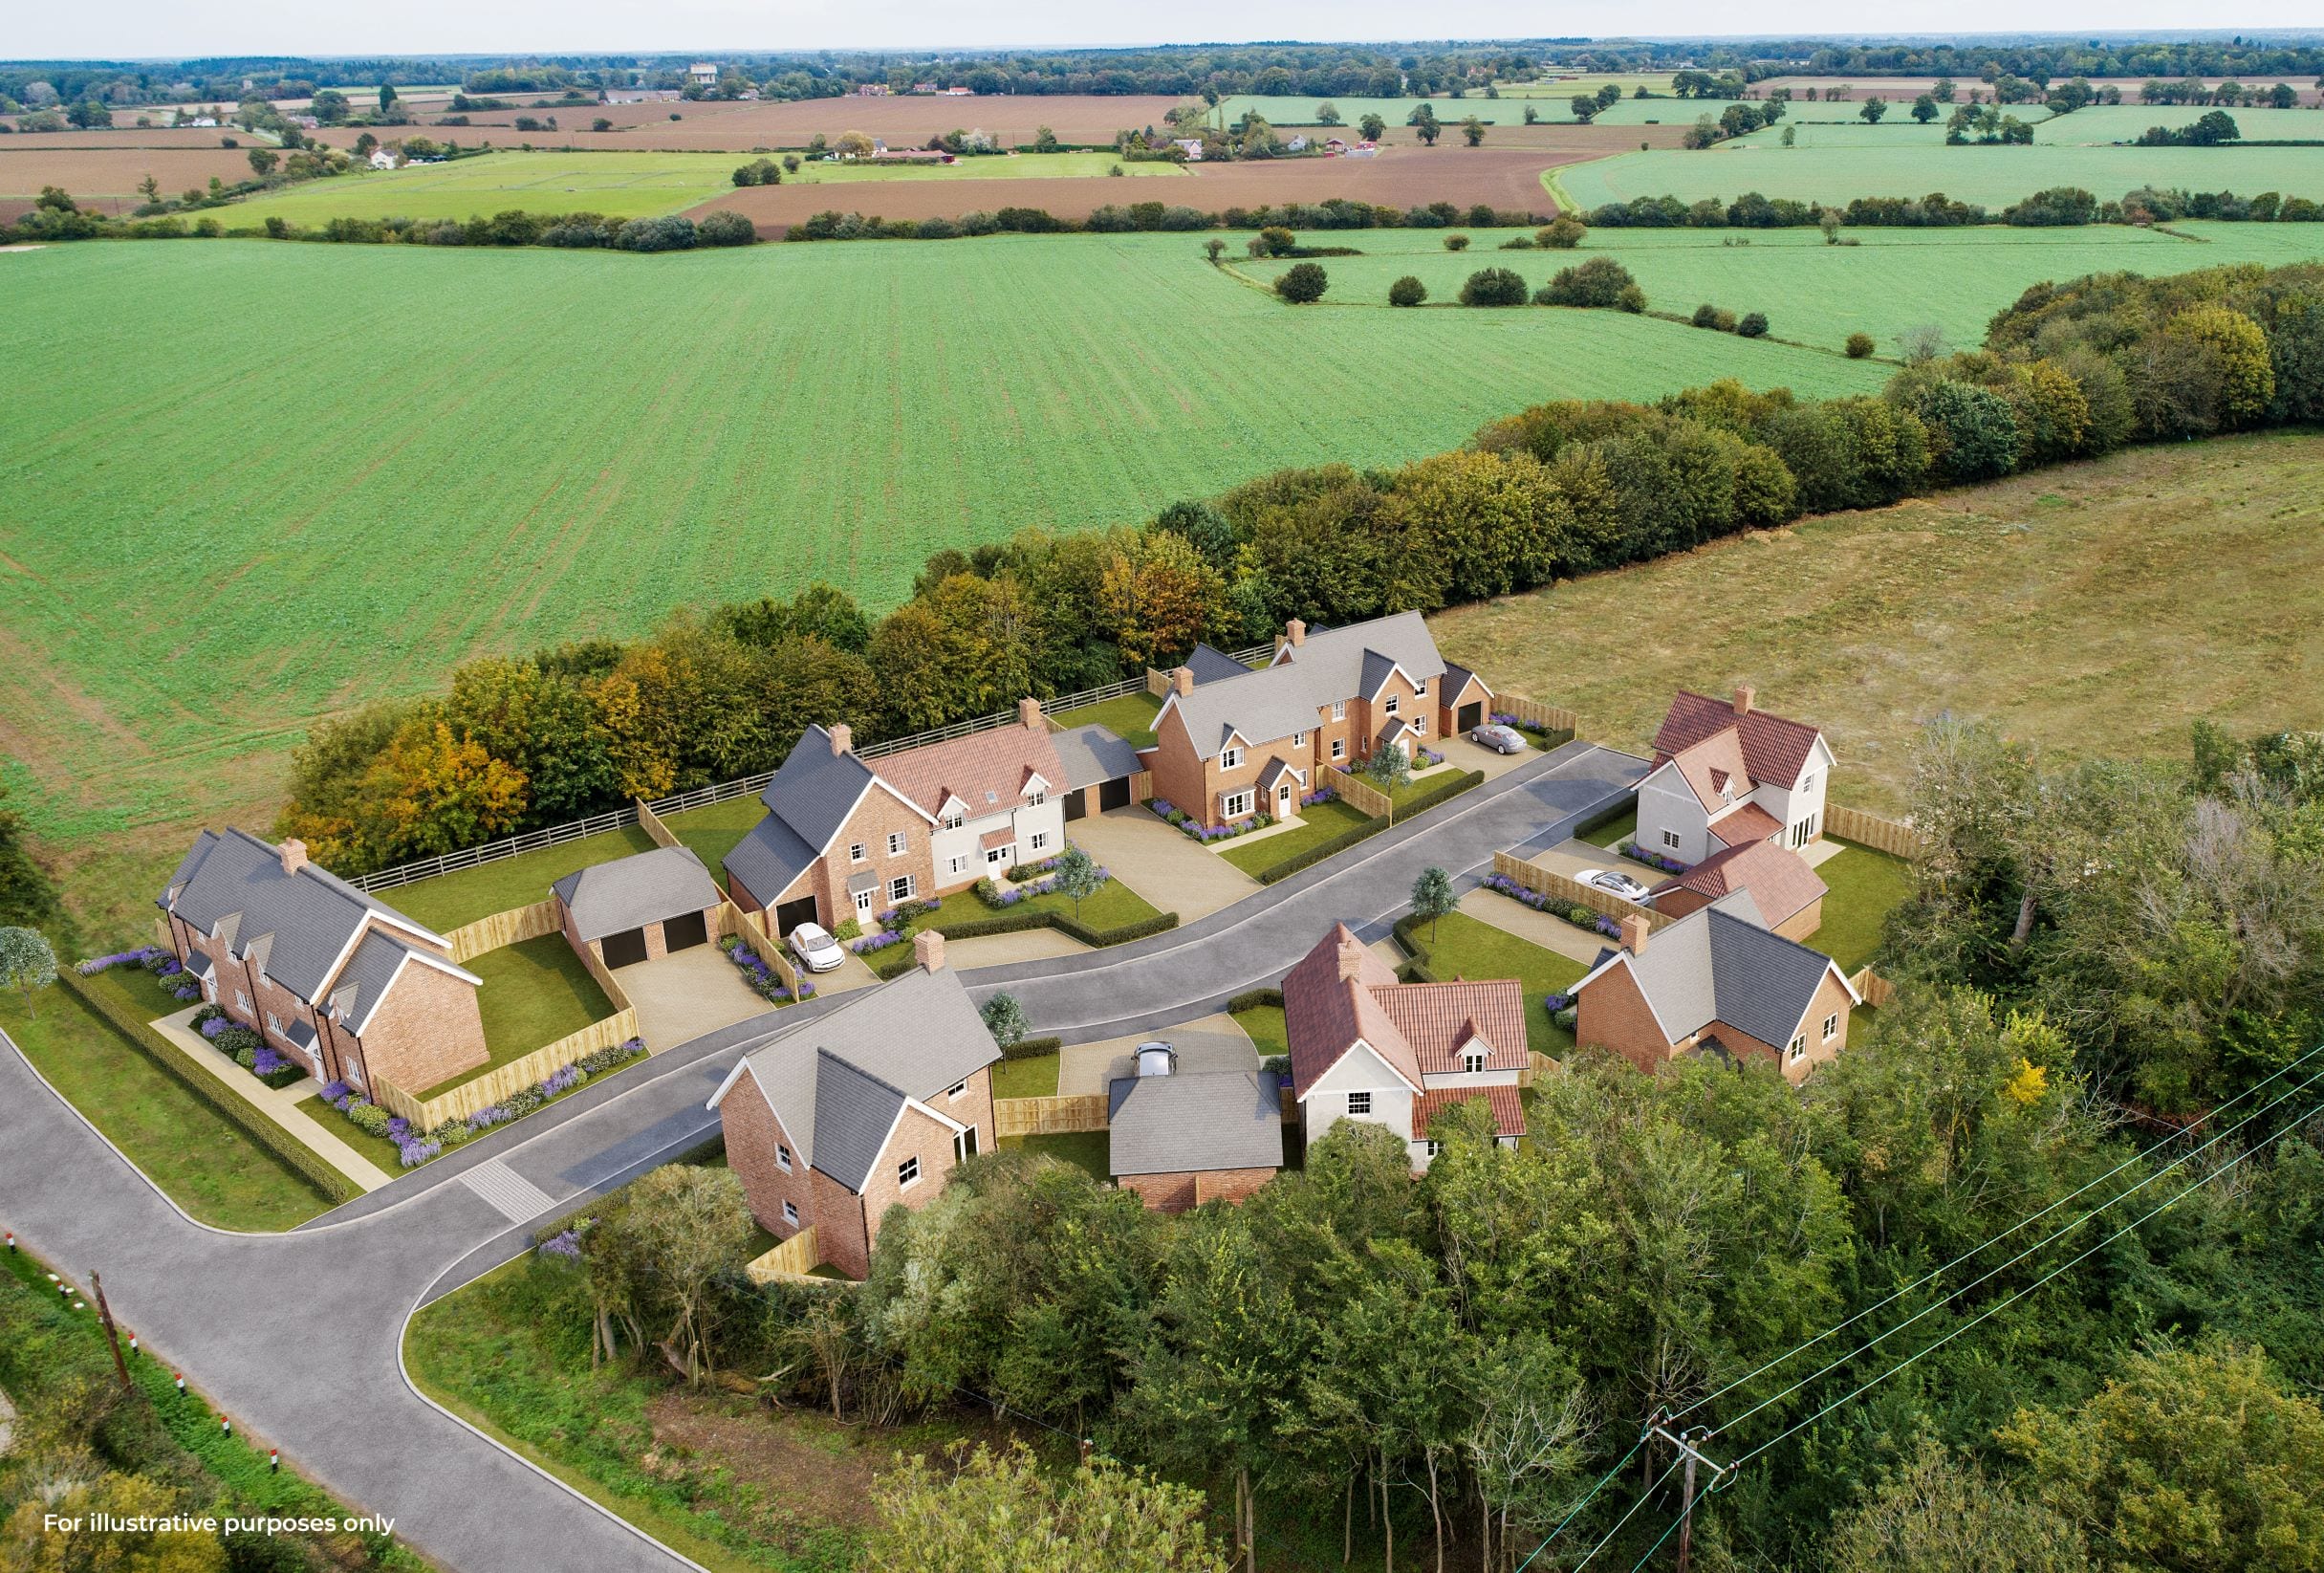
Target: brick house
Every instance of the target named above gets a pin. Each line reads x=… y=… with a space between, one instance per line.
x=1366 y=1047
x=1727 y=772
x=1717 y=983
x=1230 y=742
x=846 y=838
x=334 y=980
x=1180 y=1141
x=868 y=1107
x=638 y=907
x=1788 y=893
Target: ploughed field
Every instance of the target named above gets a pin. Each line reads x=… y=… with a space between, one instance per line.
x=105 y=176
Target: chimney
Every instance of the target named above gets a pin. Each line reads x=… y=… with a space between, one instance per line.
x=928 y=950
x=842 y=738
x=1029 y=714
x=1296 y=631
x=294 y=855
x=1744 y=696
x=1635 y=930
x=1351 y=958
x=1182 y=681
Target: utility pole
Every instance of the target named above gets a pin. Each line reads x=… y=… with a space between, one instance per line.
x=112 y=1334
x=1689 y=1446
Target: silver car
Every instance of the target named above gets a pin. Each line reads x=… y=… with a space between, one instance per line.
x=1617 y=884
x=1499 y=738
x=817 y=951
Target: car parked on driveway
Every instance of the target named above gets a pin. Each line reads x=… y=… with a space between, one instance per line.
x=817 y=951
x=1617 y=884
x=1499 y=738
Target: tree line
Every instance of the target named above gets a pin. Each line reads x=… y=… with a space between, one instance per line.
x=2061 y=205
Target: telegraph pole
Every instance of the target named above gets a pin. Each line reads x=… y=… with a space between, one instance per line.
x=1688 y=1445
x=112 y=1334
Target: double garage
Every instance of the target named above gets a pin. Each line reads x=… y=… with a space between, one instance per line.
x=1100 y=771
x=636 y=908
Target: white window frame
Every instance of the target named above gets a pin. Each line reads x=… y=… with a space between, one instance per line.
x=1832 y=1026
x=958 y=1089
x=275 y=1024
x=782 y=1157
x=1229 y=758
x=1228 y=800
x=1670 y=840
x=963 y=1145
x=1359 y=1105
x=960 y=863
x=895 y=843
x=907 y=1173
x=1339 y=710
x=856 y=852
x=243 y=1000
x=955 y=818
x=1418 y=723
x=1036 y=798
x=1432 y=1147
x=790 y=1214
x=1474 y=1060
x=1339 y=748
x=899 y=890
x=1419 y=688
x=1298 y=739
x=1038 y=840
x=1000 y=857
x=1807 y=782
x=1395 y=702
x=1799 y=1049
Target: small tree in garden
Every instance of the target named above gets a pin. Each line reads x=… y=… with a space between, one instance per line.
x=25 y=962
x=1077 y=876
x=1004 y=1020
x=1432 y=897
x=1304 y=283
x=983 y=1509
x=1389 y=768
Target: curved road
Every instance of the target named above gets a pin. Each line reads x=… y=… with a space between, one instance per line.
x=299 y=1336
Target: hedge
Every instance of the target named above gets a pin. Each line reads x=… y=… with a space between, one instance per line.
x=1251 y=999
x=336 y=1187
x=1322 y=850
x=1428 y=800
x=1406 y=931
x=1033 y=1048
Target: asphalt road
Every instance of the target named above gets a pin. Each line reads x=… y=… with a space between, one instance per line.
x=298 y=1336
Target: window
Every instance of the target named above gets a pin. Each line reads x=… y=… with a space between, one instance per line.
x=999 y=857
x=963 y=1145
x=856 y=852
x=907 y=1173
x=790 y=1214
x=1727 y=794
x=899 y=888
x=1235 y=804
x=1036 y=798
x=1799 y=1047
x=782 y=1157
x=1432 y=1148
x=863 y=903
x=1229 y=756
x=1040 y=841
x=955 y=818
x=244 y=1000
x=274 y=1023
x=1473 y=1059
x=1419 y=722
x=1339 y=748
x=1832 y=1026
x=1359 y=1102
x=1420 y=689
x=894 y=843
x=957 y=1088
x=1804 y=832
x=960 y=863
x=1670 y=840
x=1393 y=702
x=1807 y=782
x=1339 y=710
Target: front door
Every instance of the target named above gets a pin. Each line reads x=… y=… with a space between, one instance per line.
x=1287 y=801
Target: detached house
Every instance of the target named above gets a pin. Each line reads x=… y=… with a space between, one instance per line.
x=1717 y=982
x=1788 y=893
x=846 y=838
x=1726 y=773
x=868 y=1107
x=1365 y=1046
x=343 y=984
x=1230 y=742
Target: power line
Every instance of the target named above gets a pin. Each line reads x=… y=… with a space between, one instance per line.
x=1645 y=1497
x=1621 y=1464
x=2033 y=1217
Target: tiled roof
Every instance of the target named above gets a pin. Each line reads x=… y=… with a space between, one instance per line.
x=1720 y=964
x=1438 y=1020
x=1775 y=749
x=362 y=983
x=988 y=769
x=1167 y=1124
x=1092 y=755
x=1209 y=665
x=807 y=803
x=1713 y=763
x=1779 y=879
x=991 y=839
x=854 y=1110
x=1509 y=1108
x=1746 y=825
x=1306 y=679
x=607 y=898
x=1418 y=1028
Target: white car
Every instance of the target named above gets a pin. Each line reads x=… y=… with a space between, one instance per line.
x=1617 y=884
x=1499 y=738
x=817 y=951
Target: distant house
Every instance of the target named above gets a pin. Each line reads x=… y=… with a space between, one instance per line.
x=704 y=73
x=382 y=158
x=866 y=1108
x=1727 y=772
x=885 y=154
x=873 y=89
x=1181 y=1140
x=923 y=87
x=1788 y=893
x=331 y=978
x=1717 y=983
x=202 y=121
x=638 y=907
x=846 y=838
x=1335 y=145
x=959 y=92
x=1298 y=145
x=1365 y=1046
x=1191 y=147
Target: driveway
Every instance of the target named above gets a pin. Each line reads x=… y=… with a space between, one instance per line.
x=687 y=994
x=1214 y=1043
x=1159 y=862
x=1463 y=755
x=1515 y=917
x=1570 y=856
x=1000 y=949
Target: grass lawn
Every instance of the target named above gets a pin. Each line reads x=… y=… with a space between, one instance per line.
x=1622 y=827
x=1084 y=1149
x=1316 y=824
x=712 y=832
x=1264 y=1025
x=1129 y=717
x=1033 y=1078
x=534 y=992
x=1864 y=885
x=1469 y=949
x=619 y=185
x=1114 y=905
x=385 y=1155
x=1420 y=786
x=194 y=1153
x=448 y=901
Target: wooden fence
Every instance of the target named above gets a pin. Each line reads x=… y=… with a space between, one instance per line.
x=1881 y=835
x=495 y=1084
x=655 y=830
x=511 y=927
x=1557 y=887
x=1048 y=1116
x=1363 y=796
x=1534 y=713
x=793 y=1261
x=1537 y=1065
x=1875 y=990
x=748 y=928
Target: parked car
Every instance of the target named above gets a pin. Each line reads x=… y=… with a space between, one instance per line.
x=817 y=951
x=1499 y=738
x=1617 y=884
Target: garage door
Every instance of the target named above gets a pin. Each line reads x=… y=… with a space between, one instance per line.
x=792 y=913
x=1115 y=794
x=683 y=933
x=1471 y=716
x=625 y=948
x=1078 y=804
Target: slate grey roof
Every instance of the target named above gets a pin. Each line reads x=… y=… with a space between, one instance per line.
x=854 y=1113
x=1168 y=1124
x=1333 y=664
x=768 y=859
x=807 y=803
x=1720 y=964
x=298 y=923
x=1458 y=677
x=363 y=981
x=1208 y=664
x=917 y=1035
x=1092 y=755
x=629 y=892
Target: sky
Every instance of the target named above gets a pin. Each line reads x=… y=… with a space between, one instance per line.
x=163 y=29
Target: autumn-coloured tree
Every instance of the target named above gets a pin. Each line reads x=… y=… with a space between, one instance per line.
x=1160 y=598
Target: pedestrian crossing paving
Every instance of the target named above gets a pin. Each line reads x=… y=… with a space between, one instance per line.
x=516 y=1199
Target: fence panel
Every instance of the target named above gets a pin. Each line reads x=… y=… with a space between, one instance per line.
x=655 y=830
x=1882 y=835
x=747 y=928
x=1875 y=990
x=1572 y=892
x=1048 y=1116
x=509 y=928
x=793 y=1260
x=1534 y=713
x=1360 y=795
x=495 y=1084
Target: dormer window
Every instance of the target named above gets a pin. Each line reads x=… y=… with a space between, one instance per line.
x=1229 y=756
x=1473 y=1057
x=1727 y=794
x=955 y=816
x=1036 y=798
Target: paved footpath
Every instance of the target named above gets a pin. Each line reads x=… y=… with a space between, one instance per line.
x=298 y=1336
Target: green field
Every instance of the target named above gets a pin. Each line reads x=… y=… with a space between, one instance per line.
x=547 y=445
x=1890 y=282
x=1016 y=166
x=619 y=185
x=1550 y=109
x=1887 y=162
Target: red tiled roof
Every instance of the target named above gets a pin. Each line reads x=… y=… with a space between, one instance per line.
x=986 y=770
x=1779 y=879
x=1509 y=1109
x=991 y=839
x=1746 y=824
x=1714 y=763
x=1775 y=749
x=1324 y=1014
x=1437 y=1018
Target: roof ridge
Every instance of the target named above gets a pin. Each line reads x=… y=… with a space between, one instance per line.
x=873 y=1076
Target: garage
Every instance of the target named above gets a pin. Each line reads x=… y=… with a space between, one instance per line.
x=1098 y=768
x=1076 y=806
x=638 y=907
x=1113 y=793
x=684 y=931
x=1469 y=716
x=626 y=948
x=792 y=913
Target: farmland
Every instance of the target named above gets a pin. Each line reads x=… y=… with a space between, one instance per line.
x=106 y=177
x=758 y=417
x=2096 y=609
x=617 y=184
x=1504 y=111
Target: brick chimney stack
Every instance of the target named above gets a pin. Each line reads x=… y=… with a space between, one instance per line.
x=1635 y=930
x=842 y=738
x=1351 y=957
x=1029 y=714
x=928 y=950
x=1182 y=681
x=1296 y=631
x=1744 y=696
x=294 y=855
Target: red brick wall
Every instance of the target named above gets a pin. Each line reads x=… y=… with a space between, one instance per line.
x=754 y=1131
x=880 y=813
x=1178 y=1191
x=425 y=1030
x=916 y=1135
x=1615 y=1015
x=842 y=1234
x=973 y=1107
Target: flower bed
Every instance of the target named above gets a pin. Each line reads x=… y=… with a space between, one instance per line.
x=1652 y=859
x=763 y=979
x=1547 y=736
x=1575 y=913
x=1321 y=795
x=991 y=893
x=165 y=968
x=1432 y=756
x=246 y=1047
x=415 y=1147
x=1196 y=830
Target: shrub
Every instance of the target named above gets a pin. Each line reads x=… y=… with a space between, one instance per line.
x=1518 y=243
x=1601 y=281
x=1407 y=291
x=1563 y=234
x=368 y=1118
x=1860 y=345
x=1754 y=325
x=1708 y=316
x=1493 y=287
x=1456 y=243
x=1632 y=300
x=725 y=228
x=1302 y=283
